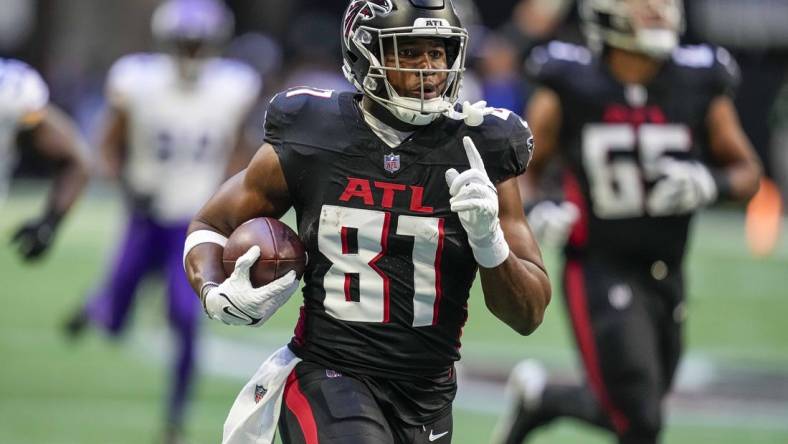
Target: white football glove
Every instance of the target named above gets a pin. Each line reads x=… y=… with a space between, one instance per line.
x=236 y=302
x=686 y=186
x=475 y=200
x=552 y=223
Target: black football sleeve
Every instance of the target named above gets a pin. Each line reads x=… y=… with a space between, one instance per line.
x=280 y=120
x=508 y=154
x=279 y=117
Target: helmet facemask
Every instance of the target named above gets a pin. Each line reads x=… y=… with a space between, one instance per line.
x=651 y=27
x=441 y=82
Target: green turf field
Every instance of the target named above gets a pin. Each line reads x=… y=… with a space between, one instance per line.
x=95 y=391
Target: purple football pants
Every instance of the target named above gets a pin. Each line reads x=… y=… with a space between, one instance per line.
x=148 y=247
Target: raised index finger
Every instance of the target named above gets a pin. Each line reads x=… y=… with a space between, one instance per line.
x=474 y=158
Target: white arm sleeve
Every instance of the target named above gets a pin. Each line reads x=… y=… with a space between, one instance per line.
x=202 y=237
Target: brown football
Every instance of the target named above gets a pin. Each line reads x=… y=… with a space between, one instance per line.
x=280 y=250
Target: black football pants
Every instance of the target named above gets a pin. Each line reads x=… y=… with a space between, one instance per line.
x=326 y=407
x=628 y=327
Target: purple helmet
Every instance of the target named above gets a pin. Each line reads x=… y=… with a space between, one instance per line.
x=197 y=21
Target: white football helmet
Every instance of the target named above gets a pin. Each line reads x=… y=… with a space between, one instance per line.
x=651 y=27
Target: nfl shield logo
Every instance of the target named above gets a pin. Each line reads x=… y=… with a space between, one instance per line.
x=259 y=392
x=391 y=163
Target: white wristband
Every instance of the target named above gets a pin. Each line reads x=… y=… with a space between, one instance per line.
x=492 y=253
x=202 y=237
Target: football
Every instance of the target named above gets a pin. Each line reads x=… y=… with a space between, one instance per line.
x=280 y=250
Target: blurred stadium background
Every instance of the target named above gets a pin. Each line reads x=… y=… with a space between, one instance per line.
x=733 y=385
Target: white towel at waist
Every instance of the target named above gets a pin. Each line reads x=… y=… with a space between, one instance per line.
x=255 y=412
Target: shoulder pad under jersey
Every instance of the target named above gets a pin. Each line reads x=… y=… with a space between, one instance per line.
x=131 y=75
x=235 y=77
x=714 y=63
x=301 y=107
x=505 y=143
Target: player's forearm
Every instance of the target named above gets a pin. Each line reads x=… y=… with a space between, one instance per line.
x=517 y=292
x=739 y=172
x=740 y=180
x=243 y=197
x=113 y=143
x=66 y=187
x=111 y=163
x=203 y=262
x=203 y=265
x=57 y=138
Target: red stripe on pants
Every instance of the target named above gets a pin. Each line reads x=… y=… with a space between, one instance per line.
x=577 y=300
x=297 y=403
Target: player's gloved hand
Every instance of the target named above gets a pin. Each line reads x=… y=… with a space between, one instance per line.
x=475 y=200
x=236 y=302
x=35 y=237
x=552 y=223
x=685 y=187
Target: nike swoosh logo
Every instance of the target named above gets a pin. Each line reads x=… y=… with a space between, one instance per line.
x=227 y=311
x=438 y=436
x=253 y=319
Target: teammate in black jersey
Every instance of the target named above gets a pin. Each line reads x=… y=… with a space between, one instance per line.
x=397 y=208
x=648 y=134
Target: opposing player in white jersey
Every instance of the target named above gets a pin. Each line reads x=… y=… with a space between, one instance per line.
x=174 y=119
x=26 y=116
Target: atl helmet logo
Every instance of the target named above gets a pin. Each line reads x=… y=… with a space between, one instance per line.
x=364 y=10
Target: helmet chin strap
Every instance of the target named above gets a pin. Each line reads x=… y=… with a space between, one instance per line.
x=385 y=114
x=412 y=117
x=406 y=109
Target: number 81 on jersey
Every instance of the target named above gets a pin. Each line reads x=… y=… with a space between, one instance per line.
x=340 y=227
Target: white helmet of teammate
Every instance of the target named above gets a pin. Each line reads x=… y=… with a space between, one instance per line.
x=192 y=30
x=651 y=27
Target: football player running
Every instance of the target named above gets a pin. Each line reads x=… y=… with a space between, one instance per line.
x=27 y=119
x=648 y=135
x=172 y=118
x=400 y=198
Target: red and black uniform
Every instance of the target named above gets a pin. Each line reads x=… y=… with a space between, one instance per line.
x=613 y=137
x=390 y=268
x=623 y=279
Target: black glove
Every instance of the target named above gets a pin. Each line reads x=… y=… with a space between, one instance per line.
x=35 y=237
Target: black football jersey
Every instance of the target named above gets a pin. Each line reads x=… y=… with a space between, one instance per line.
x=389 y=268
x=615 y=137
